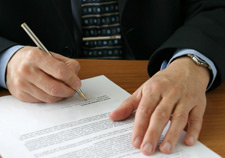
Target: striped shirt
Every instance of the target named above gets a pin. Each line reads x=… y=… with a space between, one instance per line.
x=101 y=29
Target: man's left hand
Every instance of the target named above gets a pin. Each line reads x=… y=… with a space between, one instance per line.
x=177 y=94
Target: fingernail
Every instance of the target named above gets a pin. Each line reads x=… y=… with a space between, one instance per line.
x=166 y=147
x=191 y=140
x=137 y=142
x=148 y=148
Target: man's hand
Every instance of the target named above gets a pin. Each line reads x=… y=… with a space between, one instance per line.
x=34 y=76
x=177 y=94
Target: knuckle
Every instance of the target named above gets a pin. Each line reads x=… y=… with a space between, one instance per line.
x=156 y=85
x=76 y=63
x=162 y=115
x=145 y=111
x=54 y=90
x=180 y=117
x=61 y=71
x=189 y=96
x=176 y=90
x=150 y=91
x=18 y=83
x=31 y=55
x=23 y=69
x=49 y=99
x=178 y=87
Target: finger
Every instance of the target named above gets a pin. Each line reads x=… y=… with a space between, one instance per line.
x=145 y=109
x=194 y=125
x=60 y=71
x=49 y=85
x=127 y=107
x=40 y=95
x=158 y=121
x=178 y=123
x=26 y=97
x=27 y=92
x=17 y=88
x=73 y=64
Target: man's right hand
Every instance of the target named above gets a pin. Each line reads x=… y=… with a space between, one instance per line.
x=34 y=76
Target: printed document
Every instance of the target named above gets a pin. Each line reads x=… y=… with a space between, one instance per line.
x=74 y=128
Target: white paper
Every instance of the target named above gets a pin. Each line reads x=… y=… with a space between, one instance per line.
x=74 y=128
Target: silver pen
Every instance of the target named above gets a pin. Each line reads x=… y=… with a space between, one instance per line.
x=41 y=46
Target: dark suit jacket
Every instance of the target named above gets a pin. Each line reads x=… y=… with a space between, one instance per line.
x=150 y=28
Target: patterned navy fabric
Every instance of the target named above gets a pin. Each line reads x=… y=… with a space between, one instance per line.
x=101 y=29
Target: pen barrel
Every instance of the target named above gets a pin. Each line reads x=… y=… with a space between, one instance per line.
x=35 y=38
x=41 y=46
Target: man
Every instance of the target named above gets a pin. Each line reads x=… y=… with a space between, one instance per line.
x=171 y=33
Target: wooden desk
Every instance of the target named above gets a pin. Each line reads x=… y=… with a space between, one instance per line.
x=131 y=74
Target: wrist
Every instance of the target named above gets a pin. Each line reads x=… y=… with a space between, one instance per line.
x=189 y=67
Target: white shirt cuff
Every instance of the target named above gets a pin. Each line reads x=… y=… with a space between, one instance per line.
x=182 y=52
x=4 y=59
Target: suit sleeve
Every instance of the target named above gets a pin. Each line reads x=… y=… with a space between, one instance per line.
x=5 y=44
x=203 y=30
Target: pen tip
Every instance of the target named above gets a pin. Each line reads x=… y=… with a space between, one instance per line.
x=84 y=97
x=81 y=94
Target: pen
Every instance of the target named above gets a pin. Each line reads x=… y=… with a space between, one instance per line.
x=41 y=46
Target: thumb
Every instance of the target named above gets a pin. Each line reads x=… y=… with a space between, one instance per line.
x=126 y=107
